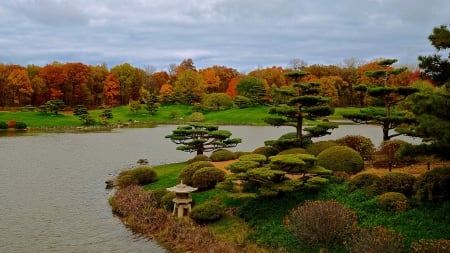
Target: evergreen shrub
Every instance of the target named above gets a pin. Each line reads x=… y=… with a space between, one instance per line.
x=222 y=155
x=207 y=211
x=317 y=147
x=433 y=185
x=242 y=166
x=396 y=182
x=20 y=125
x=188 y=171
x=341 y=158
x=293 y=151
x=365 y=181
x=253 y=157
x=393 y=201
x=3 y=125
x=207 y=177
x=198 y=158
x=138 y=176
x=266 y=151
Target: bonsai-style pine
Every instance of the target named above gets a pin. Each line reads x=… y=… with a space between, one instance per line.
x=302 y=102
x=202 y=138
x=388 y=118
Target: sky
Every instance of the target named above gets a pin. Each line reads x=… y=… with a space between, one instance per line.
x=241 y=34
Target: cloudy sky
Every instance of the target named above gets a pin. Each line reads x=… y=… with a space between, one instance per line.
x=242 y=34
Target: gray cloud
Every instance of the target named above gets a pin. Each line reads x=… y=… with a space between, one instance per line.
x=243 y=34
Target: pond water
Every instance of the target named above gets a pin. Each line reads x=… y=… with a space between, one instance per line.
x=52 y=190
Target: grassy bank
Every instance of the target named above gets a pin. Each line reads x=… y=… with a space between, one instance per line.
x=168 y=114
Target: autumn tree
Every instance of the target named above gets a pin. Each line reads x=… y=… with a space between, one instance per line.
x=202 y=138
x=157 y=80
x=231 y=90
x=19 y=89
x=74 y=88
x=111 y=89
x=304 y=103
x=54 y=77
x=96 y=78
x=390 y=96
x=129 y=82
x=190 y=86
x=166 y=94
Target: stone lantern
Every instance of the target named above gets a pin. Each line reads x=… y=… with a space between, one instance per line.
x=182 y=201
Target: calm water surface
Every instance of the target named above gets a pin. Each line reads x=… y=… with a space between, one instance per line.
x=52 y=190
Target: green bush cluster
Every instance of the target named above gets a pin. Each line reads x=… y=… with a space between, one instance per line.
x=317 y=147
x=197 y=117
x=341 y=158
x=393 y=201
x=433 y=185
x=20 y=125
x=396 y=182
x=207 y=211
x=138 y=176
x=222 y=155
x=293 y=151
x=359 y=143
x=167 y=200
x=293 y=163
x=207 y=177
x=3 y=125
x=198 y=158
x=188 y=172
x=266 y=151
x=217 y=102
x=365 y=181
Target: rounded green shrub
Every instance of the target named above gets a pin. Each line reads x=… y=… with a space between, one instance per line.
x=138 y=176
x=188 y=171
x=217 y=101
x=393 y=201
x=341 y=158
x=207 y=211
x=433 y=185
x=266 y=151
x=222 y=155
x=293 y=163
x=293 y=151
x=396 y=182
x=242 y=102
x=20 y=125
x=197 y=117
x=365 y=181
x=207 y=177
x=198 y=158
x=241 y=153
x=242 y=166
x=317 y=147
x=3 y=125
x=359 y=143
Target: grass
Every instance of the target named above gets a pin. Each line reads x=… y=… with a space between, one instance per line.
x=167 y=114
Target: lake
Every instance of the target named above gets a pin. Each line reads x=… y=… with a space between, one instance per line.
x=52 y=185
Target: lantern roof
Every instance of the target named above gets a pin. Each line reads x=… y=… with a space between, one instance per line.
x=181 y=188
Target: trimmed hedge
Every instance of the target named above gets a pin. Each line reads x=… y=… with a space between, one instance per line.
x=188 y=171
x=253 y=157
x=266 y=151
x=365 y=181
x=242 y=166
x=207 y=177
x=138 y=176
x=198 y=158
x=222 y=155
x=317 y=147
x=393 y=201
x=396 y=182
x=293 y=151
x=207 y=211
x=341 y=158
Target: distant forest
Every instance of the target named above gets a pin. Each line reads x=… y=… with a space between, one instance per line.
x=76 y=83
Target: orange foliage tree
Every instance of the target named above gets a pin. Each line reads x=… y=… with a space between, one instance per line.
x=111 y=89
